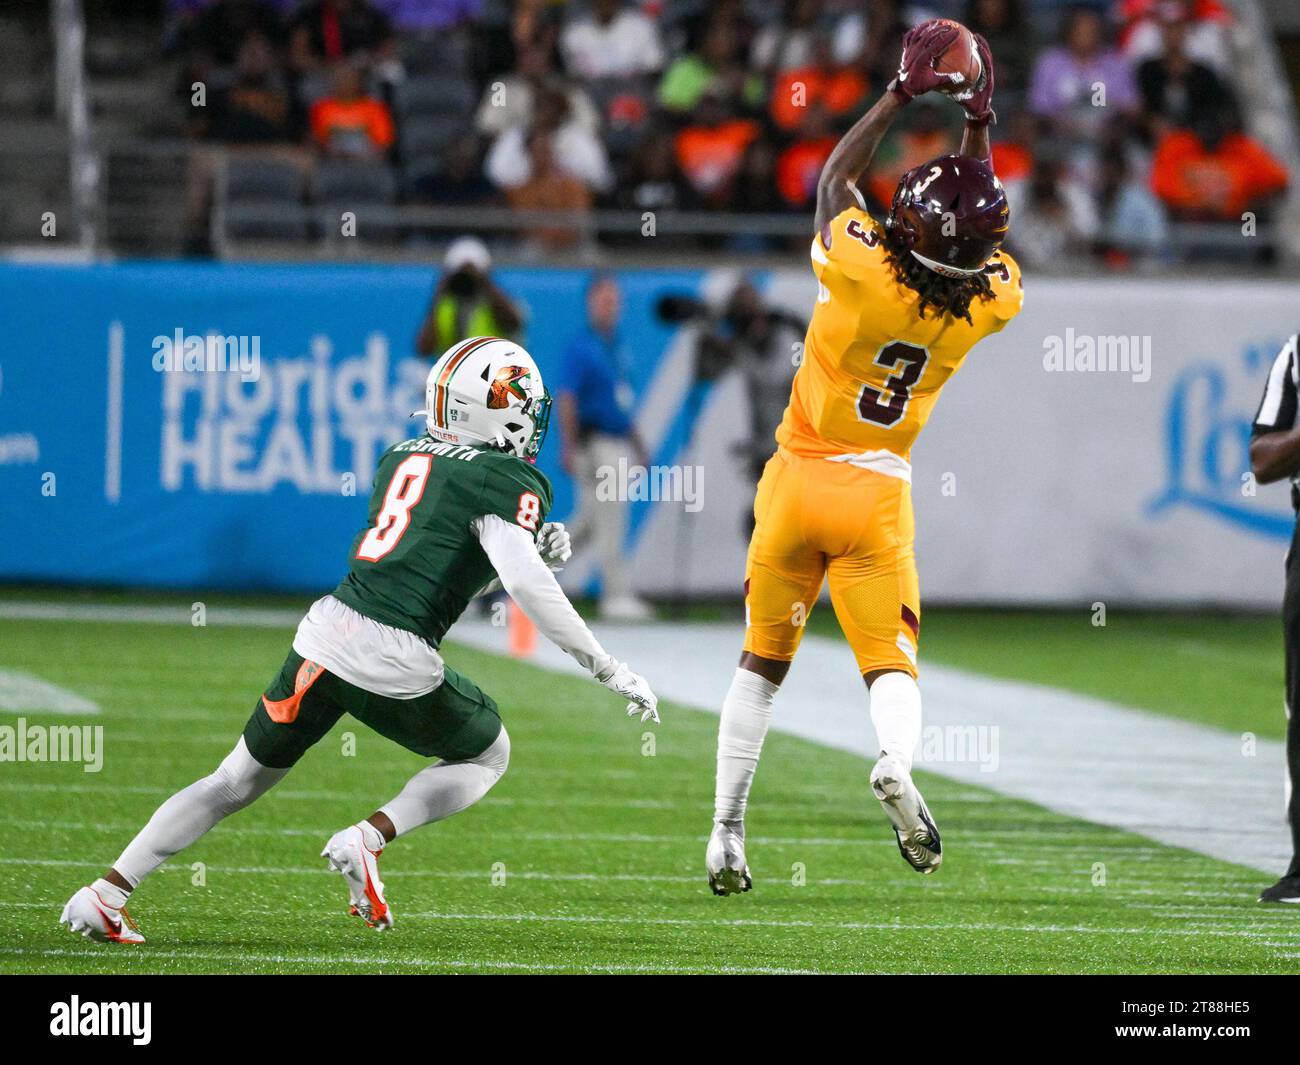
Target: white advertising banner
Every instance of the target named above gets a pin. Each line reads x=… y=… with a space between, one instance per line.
x=1094 y=451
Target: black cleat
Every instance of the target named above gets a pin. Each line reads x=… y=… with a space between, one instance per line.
x=1285 y=890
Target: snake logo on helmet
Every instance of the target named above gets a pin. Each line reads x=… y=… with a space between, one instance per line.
x=486 y=390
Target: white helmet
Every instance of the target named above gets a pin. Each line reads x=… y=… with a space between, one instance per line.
x=486 y=390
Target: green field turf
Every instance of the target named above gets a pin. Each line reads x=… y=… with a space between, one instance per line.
x=598 y=844
x=1215 y=669
x=1223 y=670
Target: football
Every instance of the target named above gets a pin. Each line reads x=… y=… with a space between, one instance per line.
x=961 y=59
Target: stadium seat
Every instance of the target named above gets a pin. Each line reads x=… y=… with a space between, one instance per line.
x=262 y=200
x=419 y=177
x=347 y=180
x=435 y=54
x=263 y=179
x=355 y=185
x=428 y=134
x=443 y=94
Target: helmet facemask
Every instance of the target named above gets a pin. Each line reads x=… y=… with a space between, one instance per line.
x=539 y=409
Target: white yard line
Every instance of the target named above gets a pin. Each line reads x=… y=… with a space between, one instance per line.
x=23 y=693
x=943 y=928
x=1178 y=783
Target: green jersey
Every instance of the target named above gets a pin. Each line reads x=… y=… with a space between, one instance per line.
x=418 y=562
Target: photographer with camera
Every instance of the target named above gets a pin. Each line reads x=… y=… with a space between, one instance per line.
x=467 y=302
x=740 y=332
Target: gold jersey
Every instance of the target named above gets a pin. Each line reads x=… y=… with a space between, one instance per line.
x=872 y=367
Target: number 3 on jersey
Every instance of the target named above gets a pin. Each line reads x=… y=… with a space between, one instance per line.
x=907 y=361
x=394 y=517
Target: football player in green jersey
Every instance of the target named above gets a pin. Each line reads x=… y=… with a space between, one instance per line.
x=454 y=513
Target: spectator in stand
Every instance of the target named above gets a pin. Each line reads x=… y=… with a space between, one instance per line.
x=1131 y=220
x=1004 y=26
x=549 y=187
x=535 y=20
x=350 y=122
x=1142 y=32
x=256 y=107
x=467 y=302
x=652 y=180
x=709 y=150
x=219 y=32
x=181 y=17
x=569 y=147
x=426 y=16
x=800 y=165
x=611 y=41
x=885 y=26
x=1174 y=86
x=927 y=134
x=322 y=32
x=460 y=182
x=1077 y=85
x=754 y=189
x=713 y=69
x=838 y=89
x=786 y=42
x=254 y=112
x=509 y=99
x=1055 y=221
x=1013 y=152
x=1213 y=171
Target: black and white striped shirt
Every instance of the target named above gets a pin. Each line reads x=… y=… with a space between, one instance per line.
x=1278 y=406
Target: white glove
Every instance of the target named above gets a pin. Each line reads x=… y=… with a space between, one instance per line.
x=553 y=545
x=633 y=687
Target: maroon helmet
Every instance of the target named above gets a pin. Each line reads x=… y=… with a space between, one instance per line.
x=950 y=213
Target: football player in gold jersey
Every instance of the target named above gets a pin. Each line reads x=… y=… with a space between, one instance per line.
x=898 y=308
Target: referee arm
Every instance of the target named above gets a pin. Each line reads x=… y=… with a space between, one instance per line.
x=1274 y=455
x=1275 y=437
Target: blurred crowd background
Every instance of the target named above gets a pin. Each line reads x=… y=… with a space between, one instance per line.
x=1131 y=133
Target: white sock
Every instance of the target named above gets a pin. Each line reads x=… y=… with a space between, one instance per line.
x=447 y=788
x=896 y=714
x=746 y=713
x=189 y=813
x=109 y=894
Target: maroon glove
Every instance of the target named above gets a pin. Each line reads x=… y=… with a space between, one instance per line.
x=922 y=46
x=977 y=100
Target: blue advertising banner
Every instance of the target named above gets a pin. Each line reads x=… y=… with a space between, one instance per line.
x=216 y=426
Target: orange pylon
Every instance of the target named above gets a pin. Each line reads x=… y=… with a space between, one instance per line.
x=523 y=633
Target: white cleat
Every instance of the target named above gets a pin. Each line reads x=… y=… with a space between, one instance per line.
x=348 y=854
x=914 y=828
x=90 y=916
x=725 y=859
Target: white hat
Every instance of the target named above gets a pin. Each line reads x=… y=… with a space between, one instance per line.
x=467 y=251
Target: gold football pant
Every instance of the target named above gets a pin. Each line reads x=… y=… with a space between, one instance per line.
x=818 y=520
